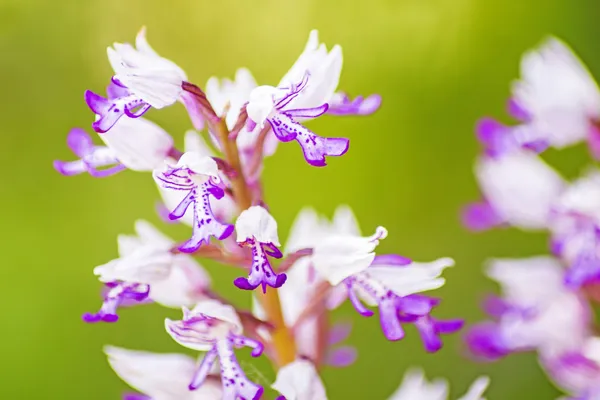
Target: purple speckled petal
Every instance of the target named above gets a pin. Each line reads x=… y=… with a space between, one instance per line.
x=119 y=291
x=342 y=357
x=485 y=341
x=261 y=272
x=480 y=216
x=242 y=341
x=205 y=225
x=204 y=369
x=137 y=111
x=105 y=109
x=235 y=383
x=314 y=147
x=182 y=207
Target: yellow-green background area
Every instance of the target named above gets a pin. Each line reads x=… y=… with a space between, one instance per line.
x=439 y=65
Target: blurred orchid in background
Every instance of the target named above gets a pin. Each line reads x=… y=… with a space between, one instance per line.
x=547 y=301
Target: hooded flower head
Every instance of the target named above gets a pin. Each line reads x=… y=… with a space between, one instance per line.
x=216 y=329
x=518 y=189
x=197 y=177
x=142 y=79
x=536 y=312
x=276 y=106
x=147 y=269
x=557 y=93
x=324 y=68
x=224 y=208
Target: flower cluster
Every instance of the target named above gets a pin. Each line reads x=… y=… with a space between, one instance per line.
x=546 y=301
x=218 y=193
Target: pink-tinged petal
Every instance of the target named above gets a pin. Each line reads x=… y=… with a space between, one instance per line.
x=486 y=342
x=342 y=356
x=80 y=142
x=594 y=142
x=480 y=216
x=69 y=168
x=115 y=90
x=341 y=104
x=516 y=111
x=339 y=332
x=194 y=110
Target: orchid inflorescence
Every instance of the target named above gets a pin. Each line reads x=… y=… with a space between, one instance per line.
x=219 y=194
x=547 y=300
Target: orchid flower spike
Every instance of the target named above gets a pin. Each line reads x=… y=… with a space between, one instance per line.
x=142 y=79
x=198 y=177
x=216 y=329
x=160 y=376
x=257 y=229
x=147 y=270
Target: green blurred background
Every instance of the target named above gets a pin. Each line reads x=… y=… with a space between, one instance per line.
x=439 y=65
